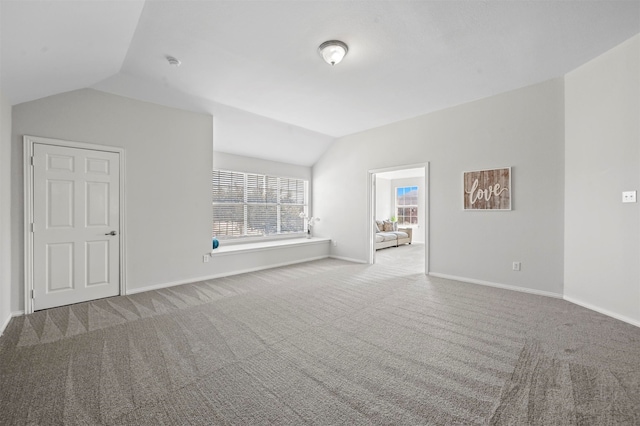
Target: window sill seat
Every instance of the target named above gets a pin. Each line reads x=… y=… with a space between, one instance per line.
x=266 y=245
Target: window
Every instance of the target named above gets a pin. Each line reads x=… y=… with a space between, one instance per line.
x=407 y=205
x=253 y=205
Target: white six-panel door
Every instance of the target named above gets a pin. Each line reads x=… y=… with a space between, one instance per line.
x=76 y=225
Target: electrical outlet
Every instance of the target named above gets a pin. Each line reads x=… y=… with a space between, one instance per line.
x=516 y=266
x=206 y=258
x=629 y=197
x=335 y=243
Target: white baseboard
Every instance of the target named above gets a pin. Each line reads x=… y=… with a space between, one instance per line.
x=348 y=259
x=603 y=311
x=222 y=275
x=6 y=321
x=497 y=285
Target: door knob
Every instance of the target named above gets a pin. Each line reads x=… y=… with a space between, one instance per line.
x=111 y=233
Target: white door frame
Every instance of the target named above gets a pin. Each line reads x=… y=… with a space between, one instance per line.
x=29 y=142
x=371 y=208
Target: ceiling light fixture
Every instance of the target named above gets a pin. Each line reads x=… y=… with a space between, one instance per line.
x=173 y=61
x=333 y=51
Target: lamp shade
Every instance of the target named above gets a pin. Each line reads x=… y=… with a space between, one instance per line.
x=333 y=51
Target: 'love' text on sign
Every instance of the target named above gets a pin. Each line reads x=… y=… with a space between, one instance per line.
x=488 y=189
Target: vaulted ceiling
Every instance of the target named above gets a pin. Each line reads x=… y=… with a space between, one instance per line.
x=406 y=58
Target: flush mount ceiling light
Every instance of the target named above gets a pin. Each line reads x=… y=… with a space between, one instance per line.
x=173 y=61
x=333 y=51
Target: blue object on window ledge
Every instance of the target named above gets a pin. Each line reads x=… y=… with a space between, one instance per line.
x=215 y=243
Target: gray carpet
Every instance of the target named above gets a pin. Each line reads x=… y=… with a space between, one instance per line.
x=327 y=343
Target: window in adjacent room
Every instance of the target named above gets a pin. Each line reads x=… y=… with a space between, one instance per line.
x=407 y=205
x=255 y=205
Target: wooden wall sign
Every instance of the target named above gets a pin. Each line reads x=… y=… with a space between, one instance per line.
x=487 y=189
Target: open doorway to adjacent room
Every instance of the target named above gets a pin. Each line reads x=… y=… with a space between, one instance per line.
x=398 y=207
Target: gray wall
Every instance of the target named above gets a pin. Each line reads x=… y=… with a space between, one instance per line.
x=523 y=129
x=384 y=205
x=602 y=235
x=168 y=177
x=240 y=163
x=5 y=211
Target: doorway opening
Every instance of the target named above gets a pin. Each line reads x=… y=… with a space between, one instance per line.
x=400 y=195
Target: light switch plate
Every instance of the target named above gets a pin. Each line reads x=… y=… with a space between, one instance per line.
x=629 y=197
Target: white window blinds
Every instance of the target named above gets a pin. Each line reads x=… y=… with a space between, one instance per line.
x=248 y=204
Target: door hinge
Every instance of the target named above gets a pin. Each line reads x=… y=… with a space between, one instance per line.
x=32 y=294
x=32 y=160
x=31 y=226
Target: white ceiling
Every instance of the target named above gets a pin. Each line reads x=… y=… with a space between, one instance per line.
x=50 y=47
x=406 y=58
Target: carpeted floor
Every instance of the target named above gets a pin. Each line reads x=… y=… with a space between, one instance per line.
x=409 y=257
x=327 y=343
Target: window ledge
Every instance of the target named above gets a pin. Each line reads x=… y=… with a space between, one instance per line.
x=266 y=245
